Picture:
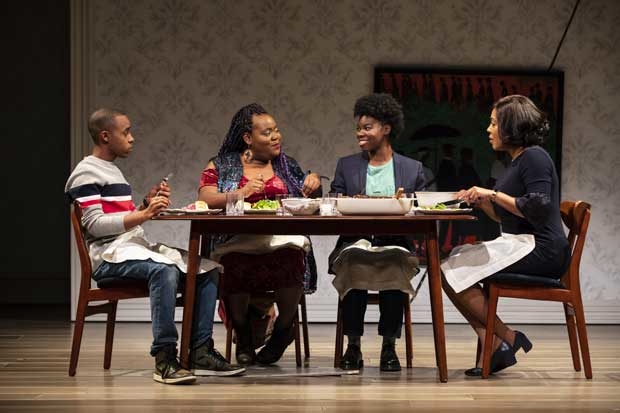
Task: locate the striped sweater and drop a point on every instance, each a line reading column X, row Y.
column 105, row 197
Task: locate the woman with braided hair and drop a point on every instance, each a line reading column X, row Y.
column 251, row 162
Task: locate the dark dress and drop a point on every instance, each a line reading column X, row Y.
column 532, row 180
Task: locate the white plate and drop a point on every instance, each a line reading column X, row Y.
column 171, row 211
column 447, row 211
column 259, row 211
column 374, row 206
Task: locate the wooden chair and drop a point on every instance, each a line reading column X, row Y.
column 576, row 216
column 304, row 323
column 373, row 299
column 111, row 292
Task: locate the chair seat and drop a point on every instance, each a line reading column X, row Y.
column 526, row 280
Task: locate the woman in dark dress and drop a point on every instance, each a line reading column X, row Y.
column 525, row 201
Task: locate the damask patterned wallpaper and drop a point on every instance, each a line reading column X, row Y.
column 182, row 68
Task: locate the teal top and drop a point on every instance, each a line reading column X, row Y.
column 380, row 180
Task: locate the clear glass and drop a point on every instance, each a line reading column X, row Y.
column 327, row 208
column 280, row 209
column 234, row 203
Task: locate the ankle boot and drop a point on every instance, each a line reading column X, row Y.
column 243, row 351
column 275, row 347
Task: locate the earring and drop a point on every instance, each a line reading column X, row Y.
column 248, row 155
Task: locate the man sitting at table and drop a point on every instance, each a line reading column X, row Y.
column 119, row 250
column 385, row 263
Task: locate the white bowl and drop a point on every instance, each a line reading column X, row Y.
column 430, row 199
column 374, row 206
column 301, row 206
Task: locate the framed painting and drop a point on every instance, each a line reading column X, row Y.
column 447, row 113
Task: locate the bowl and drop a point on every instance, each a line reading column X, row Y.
column 428, row 199
column 301, row 206
column 374, row 206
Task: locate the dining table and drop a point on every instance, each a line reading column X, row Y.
column 426, row 225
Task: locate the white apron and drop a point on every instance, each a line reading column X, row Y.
column 470, row 263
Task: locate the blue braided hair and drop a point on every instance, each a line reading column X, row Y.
column 233, row 142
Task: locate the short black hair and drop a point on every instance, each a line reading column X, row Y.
column 520, row 122
column 384, row 108
column 100, row 120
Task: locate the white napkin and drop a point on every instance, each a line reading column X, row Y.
column 470, row 263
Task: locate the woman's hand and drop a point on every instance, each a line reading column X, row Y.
column 254, row 185
column 311, row 184
column 475, row 195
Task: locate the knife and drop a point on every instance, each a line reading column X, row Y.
column 450, row 202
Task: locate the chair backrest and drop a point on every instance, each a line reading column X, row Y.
column 85, row 264
column 576, row 217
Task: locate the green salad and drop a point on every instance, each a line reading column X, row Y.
column 438, row 206
column 265, row 204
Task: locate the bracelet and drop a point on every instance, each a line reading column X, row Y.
column 145, row 202
column 493, row 196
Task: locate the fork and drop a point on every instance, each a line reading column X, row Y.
column 165, row 181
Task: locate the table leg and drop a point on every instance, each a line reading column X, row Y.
column 434, row 280
column 193, row 264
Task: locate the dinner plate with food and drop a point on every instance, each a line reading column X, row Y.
column 196, row 207
column 264, row 206
column 441, row 209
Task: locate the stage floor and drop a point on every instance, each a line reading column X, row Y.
column 34, row 357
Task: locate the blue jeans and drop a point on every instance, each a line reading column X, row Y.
column 163, row 280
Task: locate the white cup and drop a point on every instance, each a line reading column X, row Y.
column 234, row 203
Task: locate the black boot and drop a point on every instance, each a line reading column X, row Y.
column 352, row 359
column 389, row 359
column 275, row 347
column 243, row 351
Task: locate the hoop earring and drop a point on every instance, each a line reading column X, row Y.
column 248, row 155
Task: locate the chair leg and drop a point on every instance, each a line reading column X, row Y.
column 569, row 313
column 78, row 329
column 583, row 336
column 490, row 328
column 229, row 331
column 304, row 326
column 339, row 336
column 408, row 333
column 297, row 340
column 109, row 334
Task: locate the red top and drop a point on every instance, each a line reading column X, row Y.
column 273, row 185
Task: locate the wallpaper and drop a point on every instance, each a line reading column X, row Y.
column 182, row 68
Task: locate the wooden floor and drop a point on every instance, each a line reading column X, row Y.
column 34, row 356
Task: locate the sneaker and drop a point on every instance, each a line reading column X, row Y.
column 207, row 361
column 168, row 370
column 389, row 359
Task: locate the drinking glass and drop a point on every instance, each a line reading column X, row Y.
column 234, row 203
